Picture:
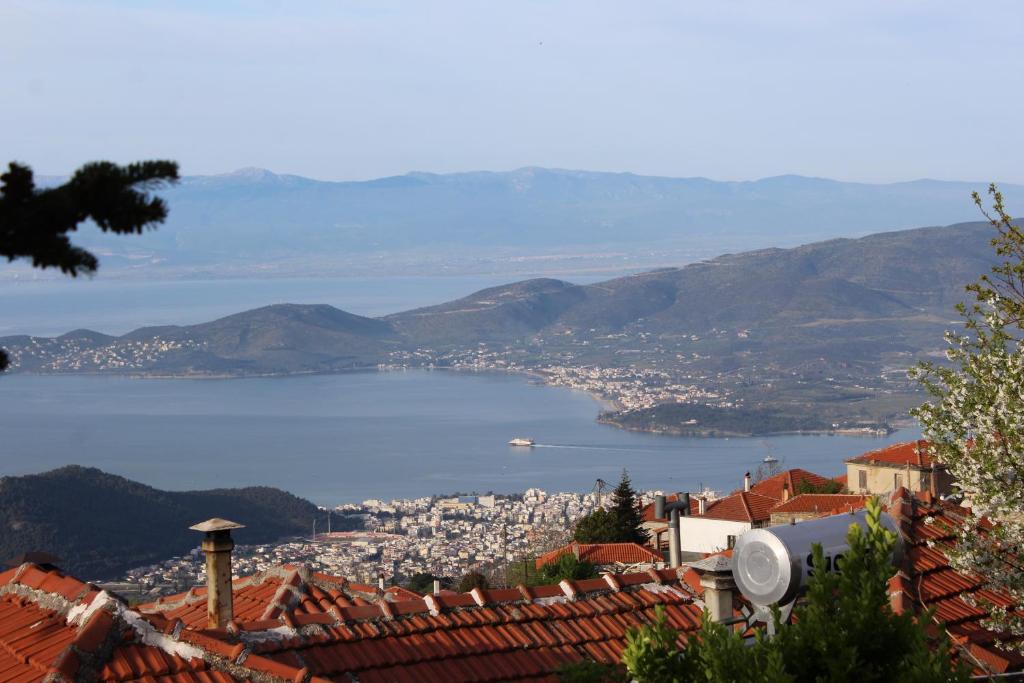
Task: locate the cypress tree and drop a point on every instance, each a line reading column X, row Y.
column 627, row 512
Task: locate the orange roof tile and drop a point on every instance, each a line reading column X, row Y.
column 745, row 506
column 913, row 453
column 929, row 527
column 774, row 485
column 284, row 590
column 604, row 554
column 499, row 635
column 822, row 503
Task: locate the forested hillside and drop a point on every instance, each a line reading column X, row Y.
column 100, row 524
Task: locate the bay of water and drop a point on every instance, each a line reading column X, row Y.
column 349, row 437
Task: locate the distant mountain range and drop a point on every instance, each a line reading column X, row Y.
column 229, row 224
column 837, row 321
column 100, row 524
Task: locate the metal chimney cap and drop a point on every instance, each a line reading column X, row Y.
column 216, row 524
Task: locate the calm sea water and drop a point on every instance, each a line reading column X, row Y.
column 344, row 438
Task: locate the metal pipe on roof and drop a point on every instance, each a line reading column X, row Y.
column 674, row 557
column 659, row 507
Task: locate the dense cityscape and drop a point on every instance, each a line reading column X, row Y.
column 397, row 539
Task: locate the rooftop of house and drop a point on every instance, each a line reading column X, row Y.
column 821, row 503
column 740, row 506
column 929, row 527
column 52, row 624
column 290, row 626
column 744, row 506
column 286, row 589
column 602, row 554
column 916, row 454
column 791, row 480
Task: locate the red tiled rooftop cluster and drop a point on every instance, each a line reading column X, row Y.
column 822, row 503
column 270, row 594
column 790, row 480
column 603, row 554
column 500, row 635
column 745, row 506
column 927, row 580
column 755, row 505
column 913, row 453
column 56, row 626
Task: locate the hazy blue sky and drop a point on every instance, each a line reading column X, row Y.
column 865, row 90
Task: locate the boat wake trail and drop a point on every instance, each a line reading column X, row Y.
column 631, row 449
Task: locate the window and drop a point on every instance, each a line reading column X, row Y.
column 897, row 481
column 862, row 480
column 730, row 542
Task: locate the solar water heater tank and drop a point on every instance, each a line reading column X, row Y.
column 772, row 565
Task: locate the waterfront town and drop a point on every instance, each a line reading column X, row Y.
column 389, row 542
column 619, row 387
column 398, row 538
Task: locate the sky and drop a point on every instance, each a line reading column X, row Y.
column 873, row 91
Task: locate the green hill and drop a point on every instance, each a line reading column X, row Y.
column 100, row 524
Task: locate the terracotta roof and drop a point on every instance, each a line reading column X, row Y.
column 287, row 589
column 823, row 503
column 745, row 506
column 913, row 453
column 56, row 627
column 929, row 527
column 487, row 635
column 791, row 479
column 604, row 554
column 51, row 624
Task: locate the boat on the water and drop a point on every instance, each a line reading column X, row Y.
column 769, row 459
column 519, row 441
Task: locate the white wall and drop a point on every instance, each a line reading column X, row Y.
column 702, row 535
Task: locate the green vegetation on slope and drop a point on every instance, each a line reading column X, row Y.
column 700, row 420
column 100, row 524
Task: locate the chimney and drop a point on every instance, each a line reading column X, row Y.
column 933, row 482
column 673, row 538
column 576, row 550
column 702, row 506
column 218, row 545
column 718, row 584
column 785, row 491
column 746, row 481
column 437, row 586
column 659, row 507
column 380, row 582
column 684, row 499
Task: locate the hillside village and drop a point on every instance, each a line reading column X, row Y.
column 449, row 537
column 305, row 611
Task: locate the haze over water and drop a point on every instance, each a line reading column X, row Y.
column 349, row 437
